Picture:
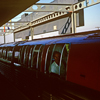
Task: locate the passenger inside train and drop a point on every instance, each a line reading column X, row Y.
column 54, row 67
column 57, row 66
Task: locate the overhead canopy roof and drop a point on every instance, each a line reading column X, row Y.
column 11, row 8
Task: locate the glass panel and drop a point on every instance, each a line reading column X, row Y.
column 40, row 57
column 59, row 56
column 55, row 62
column 9, row 53
column 17, row 54
column 26, row 55
column 22, row 53
column 48, row 57
column 0, row 52
column 30, row 56
column 64, row 57
column 35, row 57
column 4, row 53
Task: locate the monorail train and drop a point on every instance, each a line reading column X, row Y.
column 27, row 63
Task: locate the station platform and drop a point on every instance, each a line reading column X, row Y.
column 9, row 92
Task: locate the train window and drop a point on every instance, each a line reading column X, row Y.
column 35, row 57
column 30, row 55
column 9, row 53
column 17, row 54
column 55, row 59
column 58, row 63
column 20, row 55
column 48, row 57
column 40, row 57
column 63, row 61
column 0, row 52
column 22, row 50
column 4, row 53
column 26, row 55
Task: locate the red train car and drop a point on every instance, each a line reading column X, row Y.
column 28, row 65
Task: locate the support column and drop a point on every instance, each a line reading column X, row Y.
column 32, row 33
column 73, row 18
column 75, row 22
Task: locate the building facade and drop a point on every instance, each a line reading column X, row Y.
column 59, row 25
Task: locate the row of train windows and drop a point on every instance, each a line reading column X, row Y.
column 6, row 53
column 31, row 56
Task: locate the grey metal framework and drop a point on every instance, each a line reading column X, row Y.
column 58, row 15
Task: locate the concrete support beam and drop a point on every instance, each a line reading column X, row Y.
column 49, row 7
column 32, row 33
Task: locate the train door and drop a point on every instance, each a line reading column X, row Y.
column 57, row 66
column 36, row 58
column 23, row 55
column 4, row 53
column 30, row 55
column 22, row 51
column 0, row 52
column 40, row 57
column 26, row 54
column 9, row 53
column 17, row 55
column 48, row 57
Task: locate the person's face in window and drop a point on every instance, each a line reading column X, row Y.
column 57, row 58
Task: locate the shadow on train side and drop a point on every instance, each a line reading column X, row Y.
column 62, row 67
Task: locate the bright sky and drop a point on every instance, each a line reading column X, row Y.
column 91, row 16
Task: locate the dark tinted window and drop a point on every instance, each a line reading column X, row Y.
column 63, row 61
column 9, row 53
column 30, row 56
column 17, row 54
column 26, row 52
column 0, row 52
column 22, row 51
column 40, row 56
column 49, row 57
column 34, row 63
column 4, row 53
column 56, row 59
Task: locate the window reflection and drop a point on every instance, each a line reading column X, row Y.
column 56, row 59
column 9, row 53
